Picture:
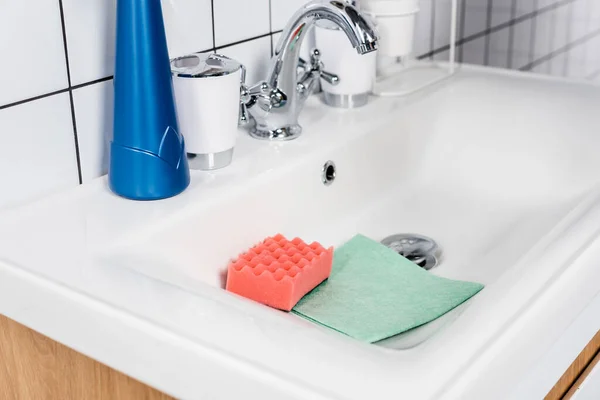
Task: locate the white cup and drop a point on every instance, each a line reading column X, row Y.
column 207, row 94
column 395, row 21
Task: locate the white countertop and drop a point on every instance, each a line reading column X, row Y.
column 52, row 280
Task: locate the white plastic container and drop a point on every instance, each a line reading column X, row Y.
column 395, row 20
column 356, row 72
column 207, row 94
column 409, row 76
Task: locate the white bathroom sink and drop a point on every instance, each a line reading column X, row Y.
column 474, row 167
column 501, row 169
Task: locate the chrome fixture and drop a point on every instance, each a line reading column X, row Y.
column 345, row 100
column 419, row 249
column 275, row 104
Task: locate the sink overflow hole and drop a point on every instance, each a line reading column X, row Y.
column 328, row 173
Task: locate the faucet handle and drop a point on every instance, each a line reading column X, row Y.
column 261, row 92
column 317, row 66
column 330, row 78
column 315, row 59
column 244, row 98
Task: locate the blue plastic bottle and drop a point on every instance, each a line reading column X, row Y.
column 147, row 155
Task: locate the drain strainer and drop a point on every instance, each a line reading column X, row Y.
column 419, row 249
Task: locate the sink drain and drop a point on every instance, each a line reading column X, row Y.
column 419, row 249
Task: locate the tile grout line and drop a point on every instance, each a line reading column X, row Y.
column 463, row 21
column 212, row 16
column 431, row 53
column 552, row 39
column 511, row 35
column 586, row 55
column 271, row 24
column 70, row 91
column 488, row 25
column 587, row 27
column 533, row 36
column 460, row 42
column 108, row 78
column 561, row 50
column 89, row 83
column 264, row 35
column 570, row 12
column 432, row 30
column 30, row 99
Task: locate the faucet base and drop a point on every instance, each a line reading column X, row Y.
column 289, row 132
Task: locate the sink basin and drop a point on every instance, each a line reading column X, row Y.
column 473, row 166
column 501, row 169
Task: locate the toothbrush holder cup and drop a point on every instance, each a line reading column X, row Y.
column 207, row 94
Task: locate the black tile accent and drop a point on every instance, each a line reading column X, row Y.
column 70, row 91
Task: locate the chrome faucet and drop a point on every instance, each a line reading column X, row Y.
column 275, row 104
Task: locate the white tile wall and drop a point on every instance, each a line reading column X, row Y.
column 237, row 20
column 282, row 11
column 502, row 11
column 499, row 45
column 255, row 55
column 423, row 43
column 94, row 114
column 546, row 36
column 56, row 116
column 441, row 23
column 520, row 49
column 37, row 148
column 90, row 33
column 189, row 25
column 33, row 57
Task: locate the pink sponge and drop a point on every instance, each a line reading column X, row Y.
column 278, row 272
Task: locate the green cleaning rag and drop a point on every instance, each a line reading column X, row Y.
column 373, row 293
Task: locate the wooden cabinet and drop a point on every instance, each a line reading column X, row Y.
column 587, row 385
column 33, row 366
column 577, row 371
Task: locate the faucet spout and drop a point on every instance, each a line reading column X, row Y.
column 275, row 109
